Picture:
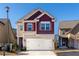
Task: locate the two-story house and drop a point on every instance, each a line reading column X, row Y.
column 35, row 31
column 69, row 34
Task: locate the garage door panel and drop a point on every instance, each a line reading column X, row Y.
column 39, row 44
column 76, row 44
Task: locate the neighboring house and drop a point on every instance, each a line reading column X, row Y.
column 6, row 33
column 35, row 31
column 69, row 34
column 15, row 32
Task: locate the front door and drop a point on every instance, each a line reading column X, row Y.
column 20, row 42
column 64, row 42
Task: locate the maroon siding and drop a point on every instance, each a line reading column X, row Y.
column 34, row 15
column 33, row 26
column 52, row 27
column 45, row 18
column 25, row 26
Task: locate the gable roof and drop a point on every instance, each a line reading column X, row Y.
column 30, row 15
column 45, row 13
column 68, row 24
column 34, row 15
column 75, row 29
column 7, row 27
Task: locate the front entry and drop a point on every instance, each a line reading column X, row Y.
column 20, row 42
column 63, row 43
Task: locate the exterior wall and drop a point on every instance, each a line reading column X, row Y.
column 78, row 44
column 19, row 32
column 75, row 44
column 71, row 43
column 45, row 18
column 34, row 35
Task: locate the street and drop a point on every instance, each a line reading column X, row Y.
column 67, row 52
column 30, row 53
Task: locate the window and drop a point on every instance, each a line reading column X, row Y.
column 45, row 26
column 42, row 26
column 21, row 27
column 29, row 26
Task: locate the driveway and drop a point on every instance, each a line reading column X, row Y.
column 26, row 53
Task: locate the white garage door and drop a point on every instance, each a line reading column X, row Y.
column 39, row 44
column 76, row 44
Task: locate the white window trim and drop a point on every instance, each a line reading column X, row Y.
column 27, row 26
column 44, row 22
column 20, row 27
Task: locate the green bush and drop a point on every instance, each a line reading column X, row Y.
column 23, row 49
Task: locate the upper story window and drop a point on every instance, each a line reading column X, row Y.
column 45, row 26
column 21, row 27
column 29, row 26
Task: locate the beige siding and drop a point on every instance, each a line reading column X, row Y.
column 40, row 36
column 20, row 32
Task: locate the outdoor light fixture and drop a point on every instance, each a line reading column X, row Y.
column 7, row 11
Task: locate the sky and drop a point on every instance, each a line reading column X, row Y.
column 61, row 11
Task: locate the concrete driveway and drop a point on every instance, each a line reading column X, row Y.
column 26, row 53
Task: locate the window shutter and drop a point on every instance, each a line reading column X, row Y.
column 33, row 26
column 25, row 26
column 52, row 27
